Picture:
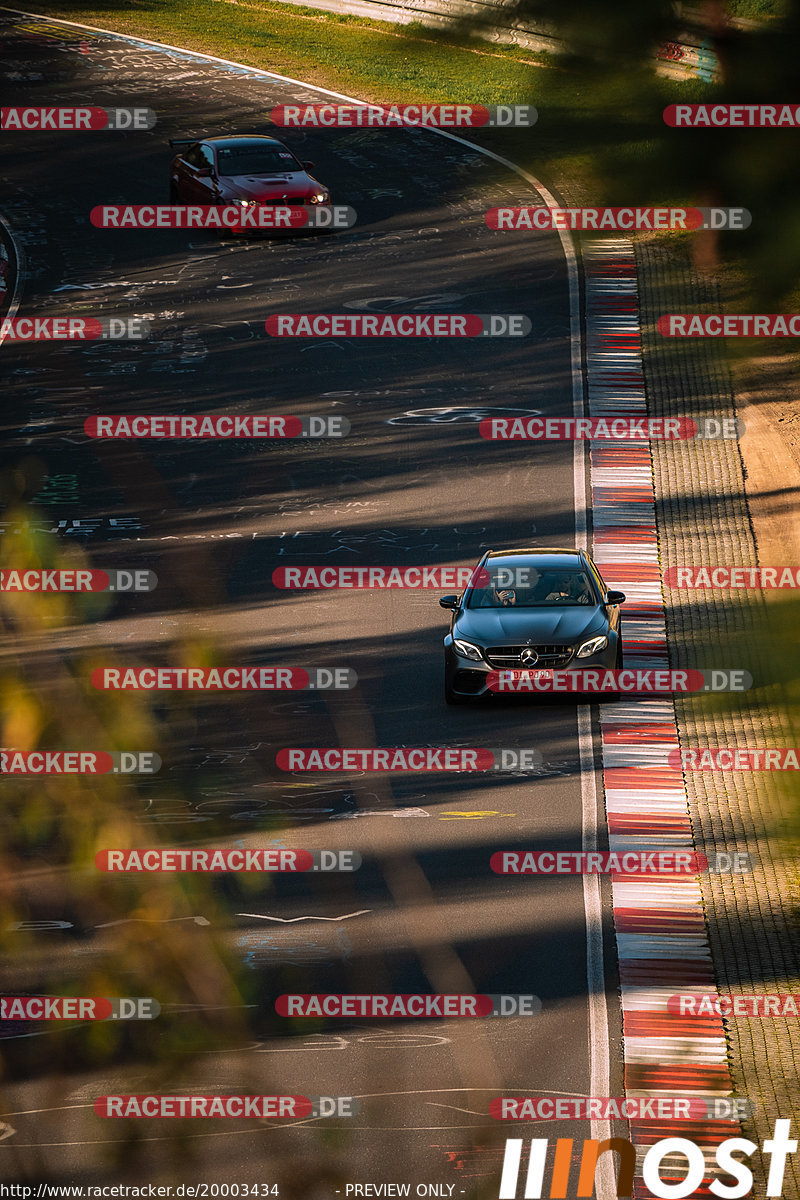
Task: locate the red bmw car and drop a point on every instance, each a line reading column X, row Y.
column 244, row 169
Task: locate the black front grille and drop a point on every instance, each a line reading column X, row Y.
column 505, row 657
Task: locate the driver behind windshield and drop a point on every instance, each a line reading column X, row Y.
column 560, row 587
column 569, row 588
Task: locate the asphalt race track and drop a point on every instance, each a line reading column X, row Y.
column 413, row 484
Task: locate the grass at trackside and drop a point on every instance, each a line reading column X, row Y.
column 587, row 140
column 756, row 9
column 369, row 59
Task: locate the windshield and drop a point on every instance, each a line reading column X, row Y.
column 527, row 587
column 256, row 160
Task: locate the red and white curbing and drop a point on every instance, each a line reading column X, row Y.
column 661, row 934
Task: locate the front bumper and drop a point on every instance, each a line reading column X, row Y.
column 466, row 677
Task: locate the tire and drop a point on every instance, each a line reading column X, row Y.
column 618, row 661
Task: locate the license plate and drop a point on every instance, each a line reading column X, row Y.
column 514, row 675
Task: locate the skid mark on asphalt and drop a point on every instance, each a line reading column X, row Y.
column 294, row 920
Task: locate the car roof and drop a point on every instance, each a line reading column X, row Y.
column 233, row 141
column 543, row 556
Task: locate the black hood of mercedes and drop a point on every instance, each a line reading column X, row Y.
column 558, row 625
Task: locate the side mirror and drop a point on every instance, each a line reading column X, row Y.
column 309, row 166
column 448, row 602
column 613, row 598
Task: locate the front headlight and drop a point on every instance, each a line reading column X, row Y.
column 243, row 203
column 319, row 198
column 468, row 650
column 593, row 646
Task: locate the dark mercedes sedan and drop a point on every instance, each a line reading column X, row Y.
column 526, row 610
